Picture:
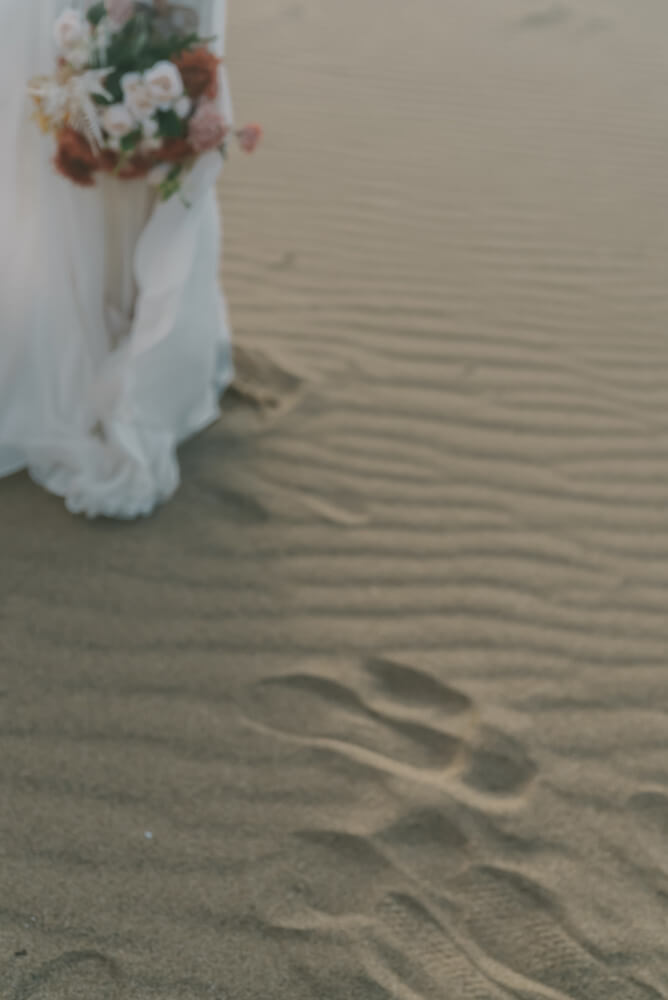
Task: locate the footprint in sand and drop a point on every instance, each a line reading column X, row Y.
column 316, row 708
column 412, row 687
column 77, row 975
column 504, row 910
column 262, row 383
column 394, row 716
column 497, row 764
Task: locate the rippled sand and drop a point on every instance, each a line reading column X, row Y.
column 387, row 683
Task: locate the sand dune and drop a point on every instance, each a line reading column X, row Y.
column 376, row 708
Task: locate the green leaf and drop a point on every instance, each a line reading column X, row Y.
column 96, row 13
column 129, row 142
column 101, row 101
column 113, row 87
column 172, row 182
column 170, row 125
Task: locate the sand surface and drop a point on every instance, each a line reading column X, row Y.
column 387, row 683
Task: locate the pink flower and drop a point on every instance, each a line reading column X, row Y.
column 207, row 128
column 249, row 137
column 119, row 11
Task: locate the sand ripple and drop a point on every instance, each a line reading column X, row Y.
column 376, row 708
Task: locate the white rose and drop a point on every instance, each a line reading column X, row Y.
column 165, row 83
column 70, row 30
column 132, row 83
column 183, row 107
column 138, row 97
column 117, row 121
column 140, row 103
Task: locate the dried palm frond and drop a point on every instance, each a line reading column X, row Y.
column 71, row 103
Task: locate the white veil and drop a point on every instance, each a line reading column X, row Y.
column 98, row 426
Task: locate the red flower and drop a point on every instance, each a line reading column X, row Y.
column 75, row 159
column 249, row 137
column 199, row 70
column 175, row 151
column 108, row 161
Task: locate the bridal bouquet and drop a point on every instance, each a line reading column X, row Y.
column 133, row 96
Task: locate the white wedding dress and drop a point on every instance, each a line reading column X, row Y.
column 114, row 339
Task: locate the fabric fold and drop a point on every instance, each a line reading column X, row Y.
column 114, row 345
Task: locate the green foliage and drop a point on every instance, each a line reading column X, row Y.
column 172, row 183
column 170, row 125
column 143, row 41
column 104, row 101
column 135, row 48
column 112, row 85
column 139, row 44
column 129, row 142
column 96, row 13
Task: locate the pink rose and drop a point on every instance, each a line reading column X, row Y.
column 249, row 137
column 207, row 128
column 119, row 11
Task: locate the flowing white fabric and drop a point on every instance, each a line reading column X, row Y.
column 114, row 339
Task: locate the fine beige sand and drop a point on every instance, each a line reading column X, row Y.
column 387, row 683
